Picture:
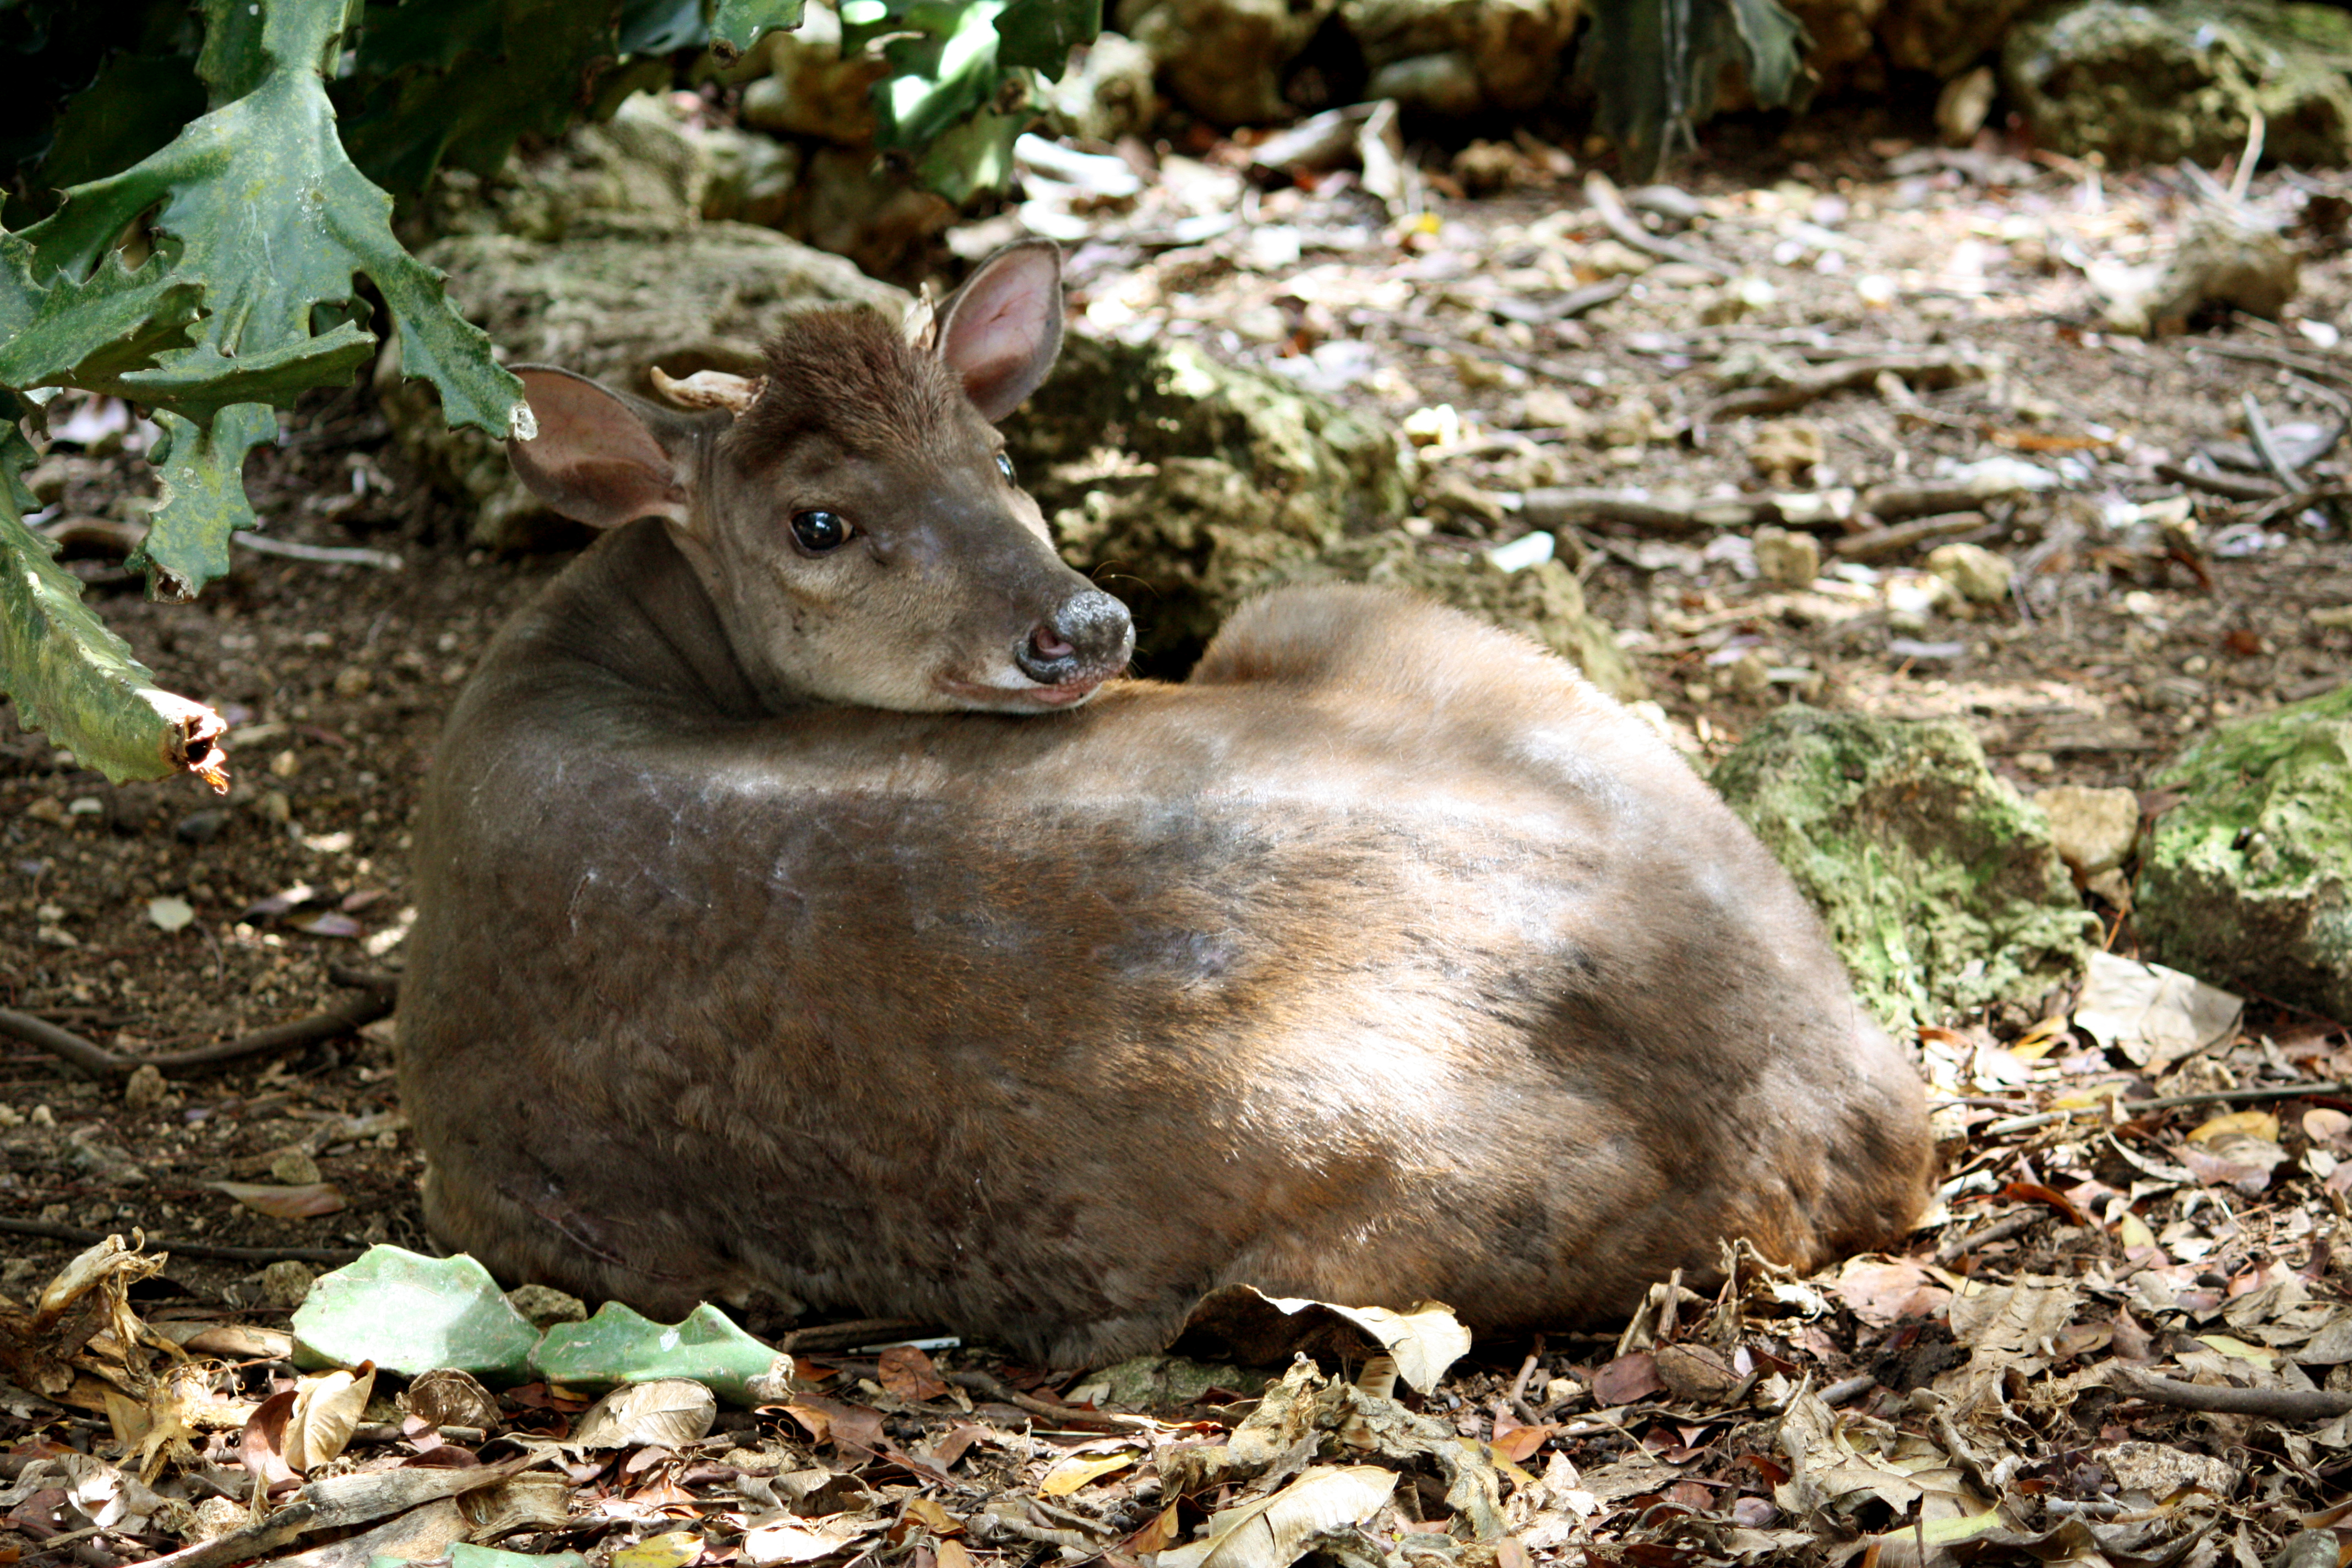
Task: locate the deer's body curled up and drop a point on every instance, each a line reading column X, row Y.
column 775, row 936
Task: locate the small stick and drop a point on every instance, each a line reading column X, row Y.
column 1518, row 1397
column 1952, row 1252
column 326, row 554
column 819, row 1337
column 2225, row 485
column 2278, row 1404
column 2238, row 1096
column 2258, row 431
column 1885, row 543
column 97, row 1061
column 995, row 1388
column 80, row 1237
column 1601, row 192
column 1850, row 1388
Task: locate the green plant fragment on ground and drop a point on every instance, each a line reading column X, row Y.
column 622, row 1345
column 409, row 1313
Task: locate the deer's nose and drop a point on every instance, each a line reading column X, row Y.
column 1087, row 636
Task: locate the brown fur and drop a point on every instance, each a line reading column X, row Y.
column 1382, row 960
column 850, row 378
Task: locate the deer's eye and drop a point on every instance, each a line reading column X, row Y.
column 1004, row 466
column 820, row 530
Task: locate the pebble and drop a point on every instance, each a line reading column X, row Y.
column 294, row 1168
column 1790, row 558
column 2094, row 828
column 201, row 826
column 1982, row 577
column 286, row 1282
column 145, row 1090
column 544, row 1306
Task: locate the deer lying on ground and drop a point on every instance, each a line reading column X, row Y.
column 809, row 907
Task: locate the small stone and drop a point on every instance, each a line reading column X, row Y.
column 1787, row 557
column 2094, row 828
column 1613, row 259
column 1751, row 676
column 48, row 809
column 2112, row 886
column 216, row 1517
column 169, row 914
column 286, row 1282
column 201, row 826
column 86, row 806
column 544, row 1306
column 1551, row 408
column 144, row 1089
column 275, row 808
column 1737, row 300
column 1635, row 422
column 354, row 680
column 1785, row 448
column 1982, row 577
column 294, row 1168
column 285, row 765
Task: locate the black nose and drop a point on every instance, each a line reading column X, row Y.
column 1088, row 635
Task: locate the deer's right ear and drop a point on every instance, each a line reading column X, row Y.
column 602, row 458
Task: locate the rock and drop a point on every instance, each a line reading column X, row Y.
column 2094, row 828
column 2083, row 74
column 1107, row 93
column 144, row 1089
column 1982, row 577
column 617, row 296
column 1185, row 481
column 1543, row 603
column 1162, row 1382
column 294, row 1168
column 1944, row 37
column 544, row 1306
column 1940, row 886
column 1784, row 449
column 1224, row 59
column 286, row 1282
column 1790, row 558
column 2247, row 881
column 809, row 90
column 1461, row 56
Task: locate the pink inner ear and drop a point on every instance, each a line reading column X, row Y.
column 1001, row 332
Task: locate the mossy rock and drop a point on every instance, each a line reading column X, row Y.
column 2182, row 78
column 2248, row 881
column 1543, row 603
column 1178, row 482
column 1939, row 884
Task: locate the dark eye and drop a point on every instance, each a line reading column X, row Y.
column 819, row 532
column 1004, row 466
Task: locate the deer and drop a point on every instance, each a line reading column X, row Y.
column 813, row 912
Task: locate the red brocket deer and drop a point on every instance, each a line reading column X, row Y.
column 808, row 907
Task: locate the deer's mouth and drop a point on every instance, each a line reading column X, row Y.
column 1027, row 698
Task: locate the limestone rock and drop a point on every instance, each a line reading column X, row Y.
column 1944, row 37
column 1940, row 886
column 2083, row 75
column 1223, row 59
column 1982, row 577
column 1543, row 603
column 620, row 295
column 1511, row 51
column 2247, row 881
column 1792, row 559
column 1180, row 482
column 809, row 90
column 1107, row 93
column 2094, row 828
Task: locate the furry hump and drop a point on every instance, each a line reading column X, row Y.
column 850, row 376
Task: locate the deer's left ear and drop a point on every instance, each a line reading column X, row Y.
column 1004, row 328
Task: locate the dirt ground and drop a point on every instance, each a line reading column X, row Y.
column 2134, row 622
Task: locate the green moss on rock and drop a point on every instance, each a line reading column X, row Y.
column 1939, row 884
column 1179, row 482
column 2182, row 78
column 2248, row 883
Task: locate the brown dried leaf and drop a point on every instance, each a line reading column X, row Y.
column 1883, row 1292
column 309, row 1201
column 907, row 1373
column 1627, row 1379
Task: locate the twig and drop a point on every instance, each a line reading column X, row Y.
column 2225, row 485
column 1602, row 193
column 1935, row 370
column 1887, row 543
column 1951, row 1252
column 2256, row 125
column 2238, row 1096
column 2318, row 369
column 995, row 1388
column 97, row 1061
column 1559, row 370
column 80, row 1237
column 1849, row 1388
column 822, row 1337
column 326, row 555
column 2266, row 448
column 1552, row 508
column 2278, row 1404
column 1516, row 1397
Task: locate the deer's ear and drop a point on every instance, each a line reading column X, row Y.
column 1001, row 332
column 600, row 458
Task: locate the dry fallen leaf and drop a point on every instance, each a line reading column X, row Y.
column 1627, row 1379
column 306, row 1202
column 666, row 1413
column 2259, row 1124
column 671, row 1548
column 1883, row 1293
column 2153, row 1015
column 1272, row 1533
column 907, row 1373
column 1071, row 1474
column 326, row 1412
